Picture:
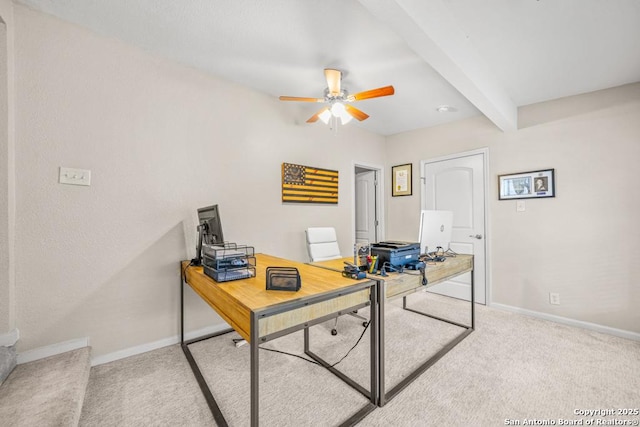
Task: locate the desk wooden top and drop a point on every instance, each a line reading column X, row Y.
column 397, row 283
column 234, row 300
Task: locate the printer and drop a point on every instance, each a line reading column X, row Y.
column 397, row 254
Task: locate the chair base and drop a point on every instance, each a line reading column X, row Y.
column 365, row 322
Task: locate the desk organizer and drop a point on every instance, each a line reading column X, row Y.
column 361, row 254
column 228, row 262
column 283, row 279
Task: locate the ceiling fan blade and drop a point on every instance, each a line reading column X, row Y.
column 316, row 116
column 333, row 81
column 357, row 114
column 302, row 99
column 373, row 93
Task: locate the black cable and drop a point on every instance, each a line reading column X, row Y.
column 423, row 271
column 313, row 361
column 388, row 267
column 354, row 346
column 411, row 273
column 420, row 272
column 290, row 354
column 184, row 271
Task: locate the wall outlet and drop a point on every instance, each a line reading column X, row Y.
column 554, row 298
column 74, row 176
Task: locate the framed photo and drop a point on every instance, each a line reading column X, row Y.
column 401, row 180
column 527, row 185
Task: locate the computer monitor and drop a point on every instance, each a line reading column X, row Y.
column 435, row 231
column 209, row 229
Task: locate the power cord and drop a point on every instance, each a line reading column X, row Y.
column 420, row 272
column 313, row 361
column 387, row 267
column 184, row 270
column 423, row 272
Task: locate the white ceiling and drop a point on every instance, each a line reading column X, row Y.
column 480, row 56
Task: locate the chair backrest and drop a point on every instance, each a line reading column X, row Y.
column 322, row 243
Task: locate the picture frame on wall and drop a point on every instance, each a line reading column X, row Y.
column 527, row 185
column 401, row 180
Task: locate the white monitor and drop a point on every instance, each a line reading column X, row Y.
column 435, row 231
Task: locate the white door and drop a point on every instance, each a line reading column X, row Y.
column 458, row 185
column 366, row 218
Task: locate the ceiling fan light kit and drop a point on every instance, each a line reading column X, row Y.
column 337, row 98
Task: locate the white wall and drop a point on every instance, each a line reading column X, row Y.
column 7, row 190
column 583, row 244
column 161, row 140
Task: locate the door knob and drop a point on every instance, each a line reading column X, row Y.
column 476, row 236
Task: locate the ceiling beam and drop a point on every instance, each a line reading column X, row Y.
column 430, row 30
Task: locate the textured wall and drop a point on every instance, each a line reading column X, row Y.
column 7, row 191
column 582, row 244
column 161, row 141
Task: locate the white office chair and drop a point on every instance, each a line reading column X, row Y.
column 322, row 244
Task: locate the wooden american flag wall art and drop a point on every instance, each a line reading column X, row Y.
column 304, row 184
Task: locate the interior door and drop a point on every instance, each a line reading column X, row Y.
column 458, row 185
column 366, row 218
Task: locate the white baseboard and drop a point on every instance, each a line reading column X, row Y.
column 52, row 350
column 10, row 338
column 143, row 348
column 571, row 322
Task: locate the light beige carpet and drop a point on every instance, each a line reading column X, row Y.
column 511, row 367
column 152, row 389
column 46, row 392
column 515, row 368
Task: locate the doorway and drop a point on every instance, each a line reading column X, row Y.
column 458, row 183
column 368, row 204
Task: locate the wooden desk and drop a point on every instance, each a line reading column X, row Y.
column 400, row 285
column 259, row 315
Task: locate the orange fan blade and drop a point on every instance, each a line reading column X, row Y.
column 373, row 93
column 297, row 98
column 316, row 116
column 333, row 81
column 357, row 114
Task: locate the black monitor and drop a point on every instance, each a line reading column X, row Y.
column 209, row 230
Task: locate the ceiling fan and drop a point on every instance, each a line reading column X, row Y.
column 337, row 97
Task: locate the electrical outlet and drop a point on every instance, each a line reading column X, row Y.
column 554, row 298
column 74, row 176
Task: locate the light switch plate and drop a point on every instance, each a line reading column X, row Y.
column 520, row 206
column 74, row 176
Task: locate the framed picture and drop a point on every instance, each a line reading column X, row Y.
column 527, row 185
column 401, row 180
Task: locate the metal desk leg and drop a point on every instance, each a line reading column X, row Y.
column 255, row 385
column 374, row 343
column 473, row 305
column 206, row 392
column 181, row 306
column 381, row 353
